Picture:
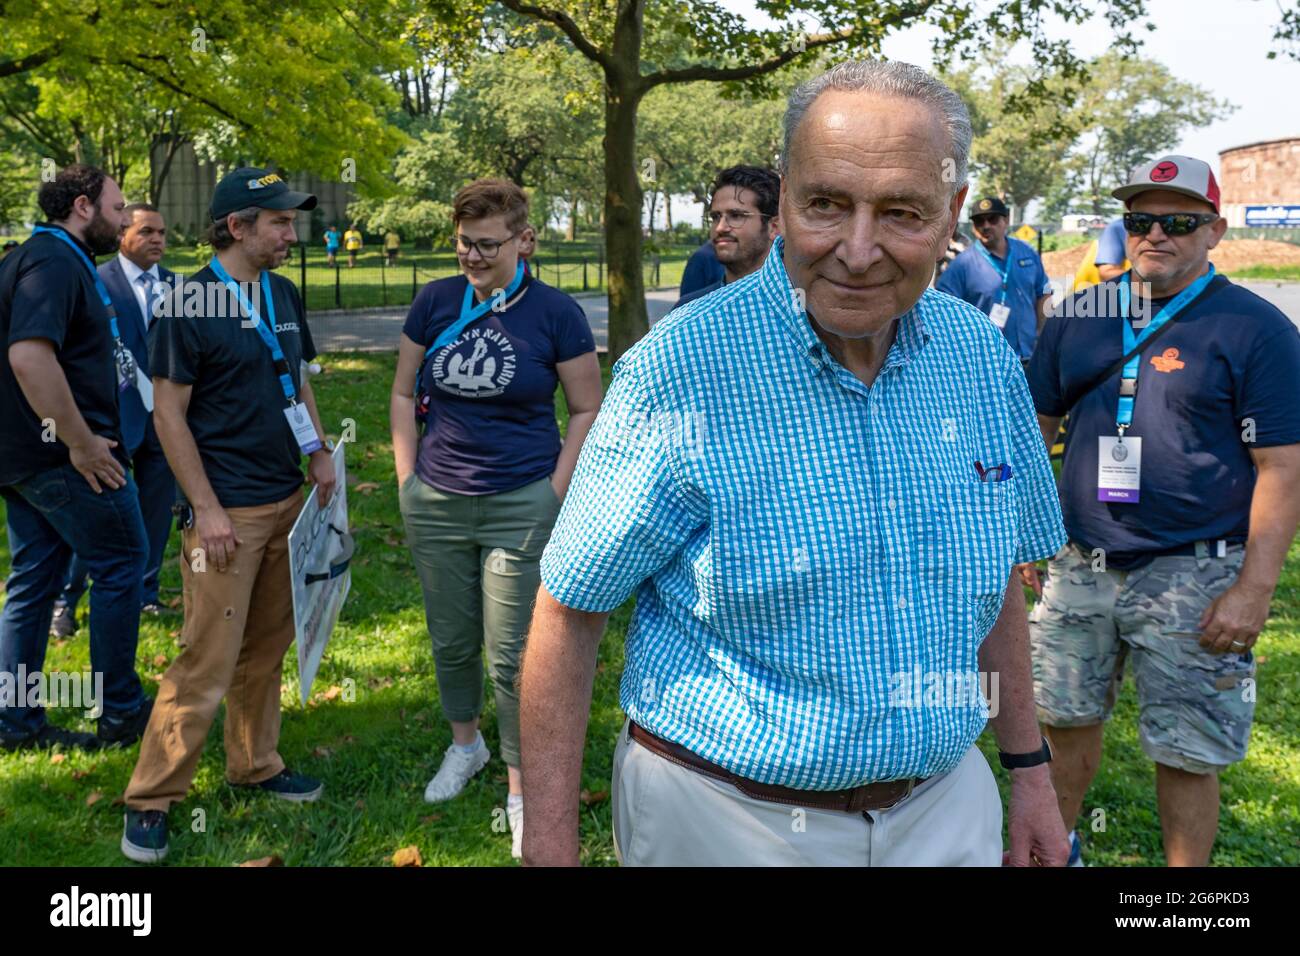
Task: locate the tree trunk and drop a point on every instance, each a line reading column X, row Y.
column 628, row 320
column 668, row 211
column 571, row 233
column 654, row 203
column 627, row 312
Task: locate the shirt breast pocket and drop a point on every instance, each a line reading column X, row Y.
column 982, row 529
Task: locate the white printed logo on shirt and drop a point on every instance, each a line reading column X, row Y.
column 479, row 364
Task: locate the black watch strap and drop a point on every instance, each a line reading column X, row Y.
column 1021, row 761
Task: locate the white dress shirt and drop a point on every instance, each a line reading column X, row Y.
column 133, row 273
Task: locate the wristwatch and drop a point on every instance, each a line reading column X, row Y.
column 1032, row 759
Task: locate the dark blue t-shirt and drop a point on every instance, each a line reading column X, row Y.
column 1229, row 369
column 702, row 268
column 491, row 421
column 971, row 277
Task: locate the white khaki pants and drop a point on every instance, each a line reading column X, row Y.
column 669, row 815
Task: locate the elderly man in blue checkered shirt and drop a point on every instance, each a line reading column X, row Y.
column 817, row 482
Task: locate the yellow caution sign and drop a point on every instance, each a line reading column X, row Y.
column 1026, row 233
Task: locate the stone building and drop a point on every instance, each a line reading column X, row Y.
column 187, row 190
column 1259, row 184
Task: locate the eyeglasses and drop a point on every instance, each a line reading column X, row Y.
column 1171, row 223
column 487, row 248
column 735, row 217
column 979, row 221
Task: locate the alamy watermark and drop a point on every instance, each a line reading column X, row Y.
column 83, row 691
column 948, row 690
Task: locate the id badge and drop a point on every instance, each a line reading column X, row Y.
column 1000, row 313
column 1119, row 469
column 126, row 368
column 144, row 385
column 304, row 432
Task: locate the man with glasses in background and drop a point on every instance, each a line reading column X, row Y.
column 1002, row 277
column 1178, row 490
column 743, row 214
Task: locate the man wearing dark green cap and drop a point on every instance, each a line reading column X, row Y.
column 235, row 419
column 1002, row 277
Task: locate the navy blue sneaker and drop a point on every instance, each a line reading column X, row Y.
column 144, row 836
column 124, row 731
column 50, row 736
column 288, row 785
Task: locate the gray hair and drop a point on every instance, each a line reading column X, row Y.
column 885, row 78
column 218, row 234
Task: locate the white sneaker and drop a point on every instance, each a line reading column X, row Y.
column 516, row 817
column 457, row 767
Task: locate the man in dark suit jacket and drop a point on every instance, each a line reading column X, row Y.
column 135, row 282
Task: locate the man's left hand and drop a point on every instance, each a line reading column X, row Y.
column 1234, row 619
column 321, row 473
column 1038, row 836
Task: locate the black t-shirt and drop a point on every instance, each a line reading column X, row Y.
column 1225, row 378
column 46, row 292
column 236, row 410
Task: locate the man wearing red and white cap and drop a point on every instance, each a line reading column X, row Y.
column 1178, row 493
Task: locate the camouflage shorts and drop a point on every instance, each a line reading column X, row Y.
column 1195, row 708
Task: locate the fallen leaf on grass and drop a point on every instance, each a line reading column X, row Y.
column 407, row 856
column 93, row 798
column 332, row 693
column 79, row 774
column 160, row 660
column 359, row 805
column 264, row 861
column 366, row 487
column 590, row 797
column 321, row 752
column 431, row 818
column 58, row 758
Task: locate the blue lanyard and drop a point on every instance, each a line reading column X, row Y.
column 469, row 312
column 264, row 328
column 1004, row 272
column 1128, row 380
column 94, row 275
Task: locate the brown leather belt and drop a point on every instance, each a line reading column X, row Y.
column 871, row 796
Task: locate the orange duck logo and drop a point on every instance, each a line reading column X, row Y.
column 1167, row 361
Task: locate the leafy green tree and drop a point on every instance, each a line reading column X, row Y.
column 640, row 45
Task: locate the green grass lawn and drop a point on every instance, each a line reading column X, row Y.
column 376, row 752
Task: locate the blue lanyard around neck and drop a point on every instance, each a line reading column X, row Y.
column 94, row 275
column 469, row 312
column 1004, row 271
column 266, row 329
column 1128, row 378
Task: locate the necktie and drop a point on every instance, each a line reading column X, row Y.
column 147, row 284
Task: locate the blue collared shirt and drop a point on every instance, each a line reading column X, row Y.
column 809, row 554
column 972, row 277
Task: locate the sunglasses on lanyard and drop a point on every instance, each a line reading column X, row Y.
column 1171, row 223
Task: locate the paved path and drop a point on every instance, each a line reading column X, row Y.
column 378, row 330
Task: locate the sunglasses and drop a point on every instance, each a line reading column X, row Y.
column 1171, row 223
column 979, row 221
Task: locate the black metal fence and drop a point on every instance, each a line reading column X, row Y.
column 374, row 281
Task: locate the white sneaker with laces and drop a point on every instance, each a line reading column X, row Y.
column 515, row 814
column 457, row 767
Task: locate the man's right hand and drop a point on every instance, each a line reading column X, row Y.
column 216, row 535
column 1030, row 578
column 95, row 462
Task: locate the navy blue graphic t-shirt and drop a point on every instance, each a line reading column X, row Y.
column 491, row 424
column 1224, row 379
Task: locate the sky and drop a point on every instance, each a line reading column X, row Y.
column 1220, row 45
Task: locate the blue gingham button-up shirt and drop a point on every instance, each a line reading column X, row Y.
column 815, row 560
